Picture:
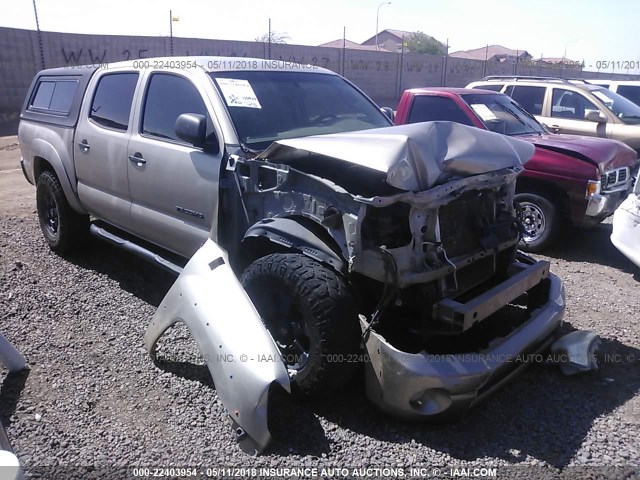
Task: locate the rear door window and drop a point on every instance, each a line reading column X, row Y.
column 426, row 108
column 111, row 104
column 529, row 97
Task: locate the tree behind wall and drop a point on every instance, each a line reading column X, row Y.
column 276, row 37
column 420, row 42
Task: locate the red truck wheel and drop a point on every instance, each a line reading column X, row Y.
column 540, row 220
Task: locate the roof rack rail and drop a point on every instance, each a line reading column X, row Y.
column 525, row 78
column 579, row 80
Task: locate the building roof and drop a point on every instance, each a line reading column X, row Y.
column 396, row 33
column 353, row 45
column 399, row 34
column 488, row 52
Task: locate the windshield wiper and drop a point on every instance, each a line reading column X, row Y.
column 514, row 115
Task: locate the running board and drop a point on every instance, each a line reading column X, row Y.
column 134, row 248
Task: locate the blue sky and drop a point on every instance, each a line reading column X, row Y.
column 589, row 29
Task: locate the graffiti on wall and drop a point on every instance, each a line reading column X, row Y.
column 91, row 57
column 422, row 67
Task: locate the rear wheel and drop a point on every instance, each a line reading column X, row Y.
column 309, row 310
column 540, row 220
column 63, row 228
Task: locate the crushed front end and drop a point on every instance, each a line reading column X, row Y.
column 460, row 310
column 450, row 310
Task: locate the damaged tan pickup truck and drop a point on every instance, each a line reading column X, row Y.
column 318, row 236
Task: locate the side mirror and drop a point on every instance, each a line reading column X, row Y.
column 192, row 128
column 595, row 116
column 388, row 111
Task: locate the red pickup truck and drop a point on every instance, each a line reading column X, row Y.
column 570, row 179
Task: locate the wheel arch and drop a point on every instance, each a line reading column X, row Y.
column 52, row 163
column 287, row 235
column 548, row 190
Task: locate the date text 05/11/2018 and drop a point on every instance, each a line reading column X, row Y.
column 617, row 64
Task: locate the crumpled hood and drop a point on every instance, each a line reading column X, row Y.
column 603, row 152
column 414, row 157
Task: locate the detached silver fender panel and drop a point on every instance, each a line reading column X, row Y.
column 240, row 353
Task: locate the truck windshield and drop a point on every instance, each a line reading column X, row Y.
column 624, row 109
column 501, row 114
column 266, row 106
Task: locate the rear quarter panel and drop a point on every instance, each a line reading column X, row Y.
column 52, row 143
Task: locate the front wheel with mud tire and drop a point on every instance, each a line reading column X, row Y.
column 310, row 312
column 63, row 228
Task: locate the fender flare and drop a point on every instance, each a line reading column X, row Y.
column 290, row 233
column 45, row 150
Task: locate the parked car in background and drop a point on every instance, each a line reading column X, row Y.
column 577, row 108
column 569, row 179
column 627, row 88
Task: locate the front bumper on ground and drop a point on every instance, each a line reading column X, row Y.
column 602, row 205
column 423, row 385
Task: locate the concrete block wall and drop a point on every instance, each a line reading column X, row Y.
column 381, row 75
column 19, row 63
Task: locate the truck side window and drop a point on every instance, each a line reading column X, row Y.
column 54, row 96
column 111, row 104
column 530, row 98
column 427, row 108
column 168, row 97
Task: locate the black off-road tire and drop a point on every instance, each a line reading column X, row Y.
column 545, row 223
column 63, row 228
column 302, row 300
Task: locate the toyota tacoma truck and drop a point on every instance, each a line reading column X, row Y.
column 569, row 180
column 309, row 234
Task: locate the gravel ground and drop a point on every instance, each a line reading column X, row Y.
column 93, row 400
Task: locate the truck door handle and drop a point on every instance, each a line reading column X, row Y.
column 84, row 146
column 137, row 159
column 554, row 128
